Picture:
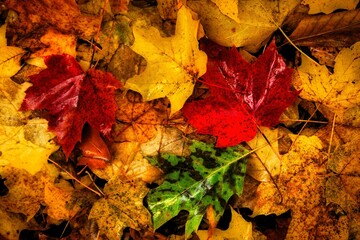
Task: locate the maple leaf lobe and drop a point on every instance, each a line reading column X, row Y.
column 72, row 98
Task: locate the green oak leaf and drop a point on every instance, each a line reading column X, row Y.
column 208, row 176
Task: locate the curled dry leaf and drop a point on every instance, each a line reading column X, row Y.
column 341, row 29
column 95, row 153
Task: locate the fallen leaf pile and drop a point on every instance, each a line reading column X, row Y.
column 179, row 119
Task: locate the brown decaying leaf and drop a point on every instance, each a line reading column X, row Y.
column 63, row 15
column 341, row 29
column 137, row 120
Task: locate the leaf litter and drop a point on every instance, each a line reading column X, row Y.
column 150, row 147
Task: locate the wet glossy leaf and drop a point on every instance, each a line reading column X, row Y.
column 243, row 95
column 75, row 98
column 208, row 176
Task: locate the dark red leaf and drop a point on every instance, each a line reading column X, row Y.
column 242, row 95
column 72, row 98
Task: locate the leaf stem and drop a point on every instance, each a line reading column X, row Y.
column 76, row 180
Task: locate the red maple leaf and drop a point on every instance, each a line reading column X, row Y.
column 242, row 95
column 72, row 98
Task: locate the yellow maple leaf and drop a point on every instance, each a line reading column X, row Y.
column 239, row 229
column 338, row 91
column 257, row 21
column 24, row 144
column 173, row 63
column 325, row 6
column 123, row 207
column 28, row 192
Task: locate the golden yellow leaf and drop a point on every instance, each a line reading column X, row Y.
column 239, row 229
column 10, row 60
column 24, row 144
column 301, row 183
column 325, row 6
column 229, row 8
column 128, row 161
column 173, row 63
column 264, row 156
column 123, row 207
column 338, row 91
column 58, row 199
column 28, row 192
column 257, row 21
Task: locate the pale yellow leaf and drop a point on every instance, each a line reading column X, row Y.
column 239, row 229
column 229, row 8
column 266, row 156
column 173, row 63
column 24, row 144
column 168, row 140
column 338, row 91
column 10, row 60
column 257, row 21
column 326, row 6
